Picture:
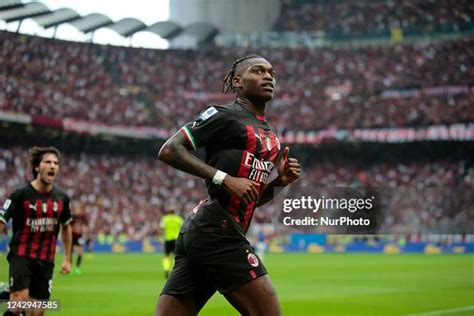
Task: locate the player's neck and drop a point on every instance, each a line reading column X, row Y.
column 257, row 108
column 41, row 186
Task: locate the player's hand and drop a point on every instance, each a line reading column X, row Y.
column 246, row 190
column 289, row 169
column 66, row 267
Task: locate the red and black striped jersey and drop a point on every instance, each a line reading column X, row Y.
column 239, row 143
column 35, row 220
column 78, row 223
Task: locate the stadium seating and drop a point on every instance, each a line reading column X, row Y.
column 380, row 86
column 341, row 18
column 127, row 194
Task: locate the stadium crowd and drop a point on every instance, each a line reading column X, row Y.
column 123, row 194
column 366, row 17
column 324, row 88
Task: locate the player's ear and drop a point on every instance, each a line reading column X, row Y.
column 237, row 82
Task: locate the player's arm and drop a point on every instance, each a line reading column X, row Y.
column 6, row 211
column 176, row 153
column 289, row 171
column 66, row 237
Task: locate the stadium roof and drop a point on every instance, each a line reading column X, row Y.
column 91, row 22
column 57, row 17
column 128, row 26
column 29, row 10
column 165, row 29
column 9, row 4
column 16, row 11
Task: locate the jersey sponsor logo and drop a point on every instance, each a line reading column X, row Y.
column 253, row 260
column 7, row 204
column 208, row 113
column 260, row 169
column 43, row 224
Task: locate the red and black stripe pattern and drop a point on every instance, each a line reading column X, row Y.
column 35, row 220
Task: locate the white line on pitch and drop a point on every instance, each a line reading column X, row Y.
column 445, row 311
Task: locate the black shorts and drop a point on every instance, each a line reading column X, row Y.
column 77, row 240
column 170, row 246
column 32, row 274
column 208, row 261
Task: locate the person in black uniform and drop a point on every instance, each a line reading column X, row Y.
column 38, row 210
column 242, row 149
column 79, row 228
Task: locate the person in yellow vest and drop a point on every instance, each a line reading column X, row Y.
column 170, row 225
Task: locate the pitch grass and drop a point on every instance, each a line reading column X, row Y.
column 307, row 284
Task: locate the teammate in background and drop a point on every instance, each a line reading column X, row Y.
column 38, row 211
column 170, row 224
column 89, row 246
column 79, row 229
column 242, row 149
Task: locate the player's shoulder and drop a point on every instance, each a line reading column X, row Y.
column 57, row 190
column 218, row 113
column 21, row 191
column 215, row 110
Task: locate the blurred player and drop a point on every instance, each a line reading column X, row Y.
column 79, row 228
column 38, row 211
column 242, row 148
column 170, row 224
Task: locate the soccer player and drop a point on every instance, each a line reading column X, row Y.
column 38, row 211
column 242, row 149
column 79, row 227
column 170, row 224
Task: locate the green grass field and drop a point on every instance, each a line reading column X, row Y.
column 307, row 284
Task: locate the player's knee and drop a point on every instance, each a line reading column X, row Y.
column 22, row 295
column 270, row 310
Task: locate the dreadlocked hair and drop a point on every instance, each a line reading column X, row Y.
column 227, row 83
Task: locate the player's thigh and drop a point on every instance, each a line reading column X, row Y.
column 171, row 305
column 256, row 298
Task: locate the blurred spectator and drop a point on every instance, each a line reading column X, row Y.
column 324, row 88
column 370, row 17
column 128, row 194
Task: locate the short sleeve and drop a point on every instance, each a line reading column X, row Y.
column 209, row 128
column 8, row 207
column 66, row 217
